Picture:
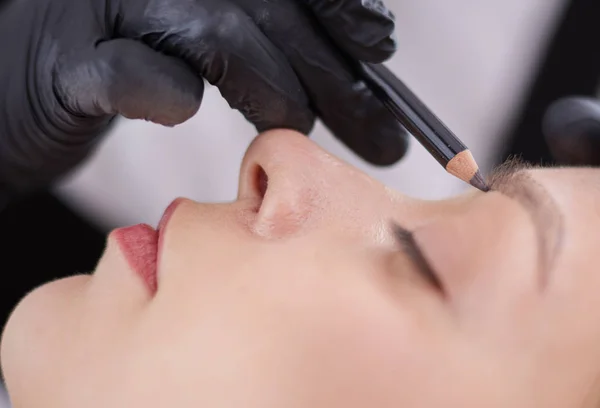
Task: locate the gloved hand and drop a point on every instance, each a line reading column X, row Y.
column 572, row 129
column 68, row 67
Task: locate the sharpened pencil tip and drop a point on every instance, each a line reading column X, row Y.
column 479, row 182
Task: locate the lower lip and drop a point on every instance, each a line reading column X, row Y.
column 139, row 245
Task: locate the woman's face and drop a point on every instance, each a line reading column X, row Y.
column 308, row 292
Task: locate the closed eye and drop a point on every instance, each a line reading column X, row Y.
column 410, row 247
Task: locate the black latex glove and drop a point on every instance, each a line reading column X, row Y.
column 572, row 129
column 68, row 67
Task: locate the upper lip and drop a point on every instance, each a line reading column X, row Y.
column 163, row 224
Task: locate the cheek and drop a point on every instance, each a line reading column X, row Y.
column 323, row 335
column 36, row 337
column 360, row 348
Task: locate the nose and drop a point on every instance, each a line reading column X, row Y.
column 290, row 181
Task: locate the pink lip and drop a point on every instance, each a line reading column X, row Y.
column 163, row 223
column 141, row 245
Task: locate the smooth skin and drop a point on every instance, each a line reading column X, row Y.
column 299, row 296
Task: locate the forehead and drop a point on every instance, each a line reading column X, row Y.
column 577, row 193
column 570, row 185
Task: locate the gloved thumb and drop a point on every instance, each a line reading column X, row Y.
column 572, row 129
column 126, row 77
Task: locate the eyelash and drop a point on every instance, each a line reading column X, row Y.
column 407, row 241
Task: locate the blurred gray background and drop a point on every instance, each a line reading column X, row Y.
column 467, row 59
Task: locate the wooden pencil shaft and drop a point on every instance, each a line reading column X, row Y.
column 418, row 120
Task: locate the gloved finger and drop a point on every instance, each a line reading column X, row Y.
column 363, row 28
column 572, row 129
column 344, row 103
column 127, row 77
column 222, row 44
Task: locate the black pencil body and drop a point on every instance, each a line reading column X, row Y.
column 418, row 120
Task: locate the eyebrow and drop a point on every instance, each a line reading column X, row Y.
column 514, row 181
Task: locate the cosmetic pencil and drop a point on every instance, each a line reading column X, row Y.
column 420, row 121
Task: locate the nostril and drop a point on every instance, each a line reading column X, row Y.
column 253, row 183
column 257, row 185
column 261, row 181
column 276, row 201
